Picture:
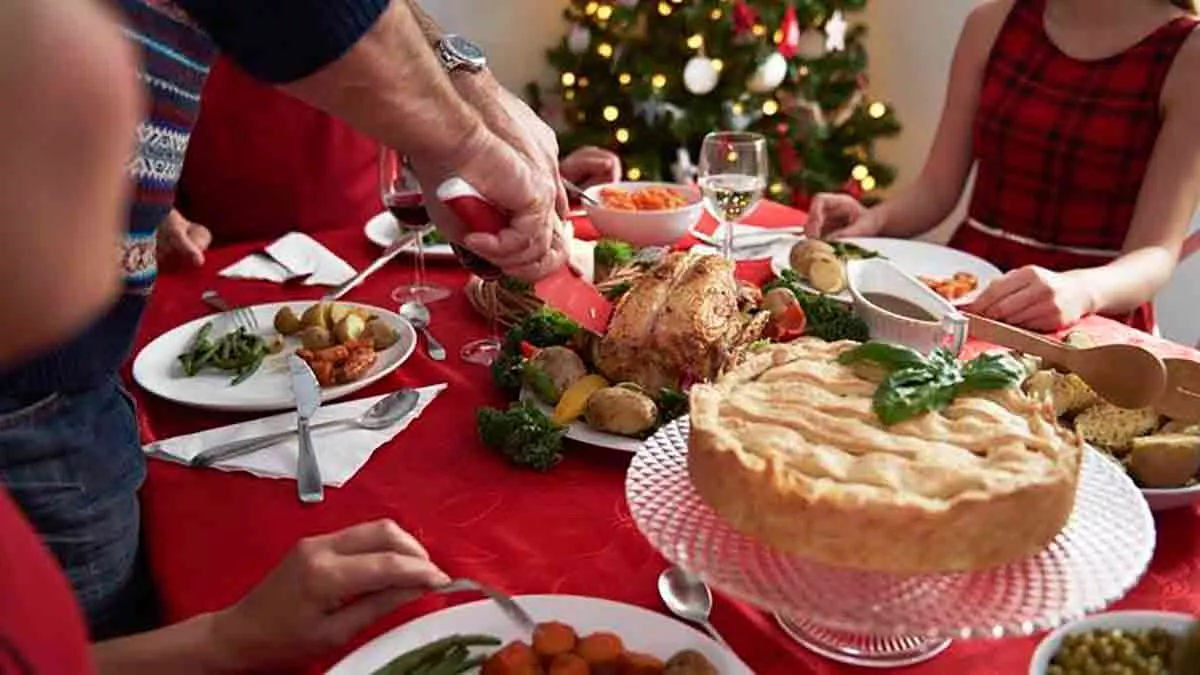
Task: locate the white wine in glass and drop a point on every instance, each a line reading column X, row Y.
column 733, row 176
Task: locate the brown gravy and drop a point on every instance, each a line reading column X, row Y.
column 900, row 306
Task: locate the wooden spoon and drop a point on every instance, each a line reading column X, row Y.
column 1181, row 400
column 1126, row 376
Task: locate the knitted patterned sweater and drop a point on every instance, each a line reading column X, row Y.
column 275, row 40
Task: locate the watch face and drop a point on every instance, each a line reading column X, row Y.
column 464, row 48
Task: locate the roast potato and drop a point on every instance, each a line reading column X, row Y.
column 381, row 334
column 561, row 368
column 1165, row 460
column 621, row 410
column 827, row 273
column 316, row 337
column 286, row 322
column 802, row 254
column 317, row 315
column 689, row 662
column 349, row 328
column 338, row 312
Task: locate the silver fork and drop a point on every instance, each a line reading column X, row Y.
column 242, row 316
column 507, row 605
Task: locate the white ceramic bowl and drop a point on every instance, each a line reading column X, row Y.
column 645, row 228
column 1177, row 624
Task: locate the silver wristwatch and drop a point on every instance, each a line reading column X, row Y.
column 458, row 53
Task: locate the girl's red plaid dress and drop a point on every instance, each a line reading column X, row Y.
column 1062, row 147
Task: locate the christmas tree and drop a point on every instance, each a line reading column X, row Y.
column 649, row 78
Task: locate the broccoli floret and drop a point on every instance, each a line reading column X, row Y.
column 543, row 328
column 611, row 253
column 547, row 328
column 523, row 434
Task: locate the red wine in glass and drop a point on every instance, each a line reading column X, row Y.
column 409, row 209
column 401, row 195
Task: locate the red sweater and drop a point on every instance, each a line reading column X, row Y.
column 261, row 163
column 41, row 628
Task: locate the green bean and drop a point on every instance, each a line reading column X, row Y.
column 248, row 370
column 473, row 662
column 406, row 662
column 449, row 662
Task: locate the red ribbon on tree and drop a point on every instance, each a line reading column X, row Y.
column 744, row 17
column 789, row 46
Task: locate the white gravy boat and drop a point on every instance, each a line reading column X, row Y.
column 945, row 327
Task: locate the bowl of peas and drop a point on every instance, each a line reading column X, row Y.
column 1122, row 643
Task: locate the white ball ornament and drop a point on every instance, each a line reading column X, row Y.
column 579, row 39
column 700, row 75
column 769, row 74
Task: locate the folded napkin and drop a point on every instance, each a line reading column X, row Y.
column 341, row 450
column 293, row 255
column 751, row 242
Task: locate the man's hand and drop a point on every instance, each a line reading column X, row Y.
column 181, row 240
column 1035, row 298
column 323, row 593
column 590, row 166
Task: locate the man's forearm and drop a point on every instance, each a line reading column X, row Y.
column 429, row 28
column 391, row 86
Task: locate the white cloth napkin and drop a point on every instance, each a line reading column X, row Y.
column 293, row 255
column 751, row 242
column 341, row 450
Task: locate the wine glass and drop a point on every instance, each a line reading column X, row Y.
column 733, row 174
column 401, row 194
column 484, row 351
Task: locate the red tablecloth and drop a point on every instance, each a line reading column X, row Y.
column 212, row 535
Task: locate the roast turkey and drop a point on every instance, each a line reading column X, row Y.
column 680, row 323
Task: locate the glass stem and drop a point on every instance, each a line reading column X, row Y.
column 727, row 239
column 419, row 268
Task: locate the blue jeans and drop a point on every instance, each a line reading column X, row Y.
column 73, row 463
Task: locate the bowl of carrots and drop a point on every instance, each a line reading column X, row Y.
column 644, row 213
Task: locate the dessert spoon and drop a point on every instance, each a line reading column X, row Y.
column 689, row 599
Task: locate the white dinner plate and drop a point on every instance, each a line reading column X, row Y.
column 382, row 229
column 581, row 432
column 640, row 629
column 157, row 370
column 914, row 257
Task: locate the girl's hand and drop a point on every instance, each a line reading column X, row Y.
column 1035, row 298
column 181, row 241
column 838, row 215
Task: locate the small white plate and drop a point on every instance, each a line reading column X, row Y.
column 382, row 229
column 914, row 257
column 1177, row 624
column 581, row 432
column 640, row 629
column 157, row 370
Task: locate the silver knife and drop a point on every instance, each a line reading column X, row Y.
column 308, row 399
column 403, row 242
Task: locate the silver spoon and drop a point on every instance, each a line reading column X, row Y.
column 386, row 412
column 418, row 315
column 579, row 192
column 689, row 599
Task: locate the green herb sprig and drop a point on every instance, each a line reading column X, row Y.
column 916, row 384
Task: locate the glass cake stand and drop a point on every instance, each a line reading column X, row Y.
column 887, row 621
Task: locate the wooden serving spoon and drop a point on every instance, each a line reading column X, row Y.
column 1126, row 376
column 1181, row 400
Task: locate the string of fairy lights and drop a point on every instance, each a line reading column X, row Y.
column 658, row 80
